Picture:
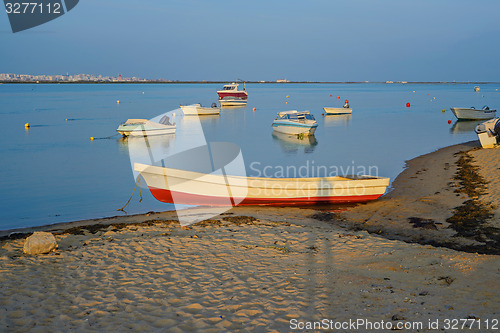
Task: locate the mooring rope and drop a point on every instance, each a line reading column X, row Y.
column 138, row 181
column 107, row 137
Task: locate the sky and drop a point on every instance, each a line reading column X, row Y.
column 307, row 40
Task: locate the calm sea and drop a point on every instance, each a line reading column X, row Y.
column 52, row 172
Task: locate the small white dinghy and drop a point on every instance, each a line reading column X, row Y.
column 472, row 113
column 489, row 133
column 346, row 109
column 331, row 111
column 197, row 109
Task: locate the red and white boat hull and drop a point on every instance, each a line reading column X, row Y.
column 192, row 188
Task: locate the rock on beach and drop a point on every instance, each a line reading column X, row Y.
column 40, row 242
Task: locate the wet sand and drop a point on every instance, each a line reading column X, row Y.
column 258, row 268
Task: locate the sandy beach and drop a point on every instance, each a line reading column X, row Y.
column 406, row 258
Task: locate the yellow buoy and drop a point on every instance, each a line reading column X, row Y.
column 91, row 138
column 27, row 125
column 443, row 111
column 287, row 96
column 117, row 102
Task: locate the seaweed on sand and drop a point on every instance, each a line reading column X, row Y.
column 470, row 220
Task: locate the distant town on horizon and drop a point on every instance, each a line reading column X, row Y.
column 93, row 78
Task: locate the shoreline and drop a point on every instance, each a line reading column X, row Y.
column 252, row 82
column 422, row 197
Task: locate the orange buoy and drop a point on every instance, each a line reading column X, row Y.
column 338, row 97
column 346, row 101
column 408, row 104
column 449, row 121
column 253, row 109
column 331, row 95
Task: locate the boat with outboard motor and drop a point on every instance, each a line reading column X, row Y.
column 143, row 127
column 472, row 113
column 197, row 109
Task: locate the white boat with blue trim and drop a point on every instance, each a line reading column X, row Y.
column 295, row 122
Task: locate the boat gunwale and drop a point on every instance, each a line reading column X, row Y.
column 140, row 167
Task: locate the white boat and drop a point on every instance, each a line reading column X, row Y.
column 295, row 123
column 197, row 109
column 194, row 188
column 143, row 127
column 489, row 133
column 472, row 113
column 330, row 111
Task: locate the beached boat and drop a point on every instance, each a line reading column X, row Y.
column 472, row 113
column 332, row 111
column 295, row 122
column 194, row 188
column 231, row 96
column 489, row 133
column 197, row 109
column 142, row 127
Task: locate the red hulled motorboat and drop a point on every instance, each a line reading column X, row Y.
column 231, row 96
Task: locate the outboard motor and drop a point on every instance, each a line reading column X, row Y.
column 214, row 105
column 165, row 120
column 496, row 128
